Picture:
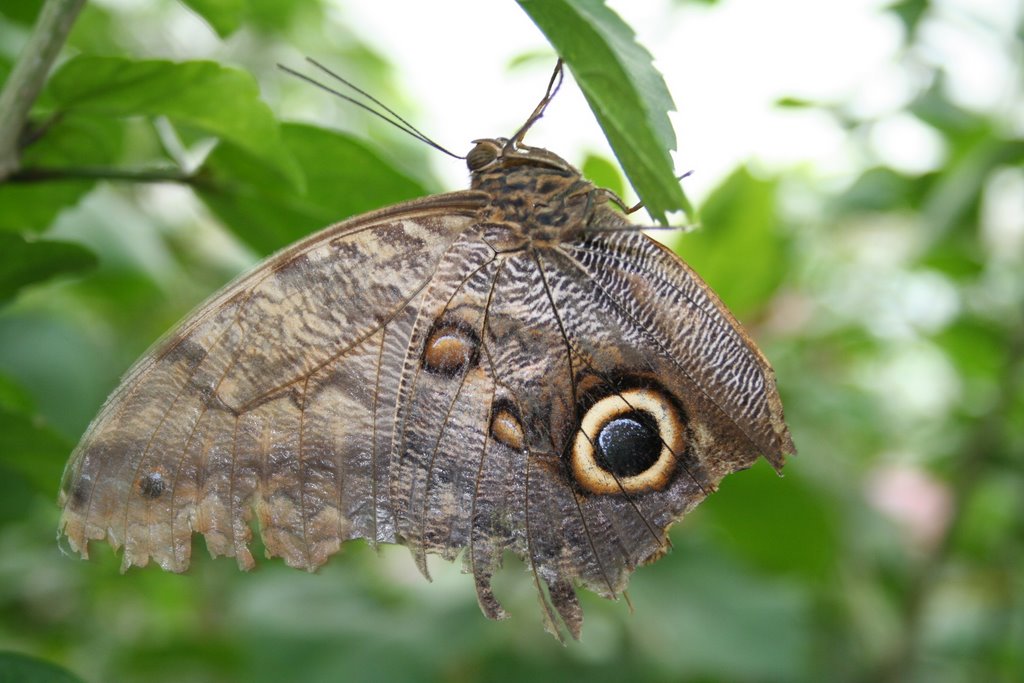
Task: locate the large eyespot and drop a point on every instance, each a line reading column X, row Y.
column 628, row 442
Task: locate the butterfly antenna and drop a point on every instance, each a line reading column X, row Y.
column 388, row 114
column 557, row 76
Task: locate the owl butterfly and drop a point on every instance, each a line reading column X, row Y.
column 512, row 367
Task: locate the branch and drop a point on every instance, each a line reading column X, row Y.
column 170, row 175
column 28, row 75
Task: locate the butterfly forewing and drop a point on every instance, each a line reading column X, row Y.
column 263, row 399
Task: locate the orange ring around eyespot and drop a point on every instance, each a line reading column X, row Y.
column 594, row 478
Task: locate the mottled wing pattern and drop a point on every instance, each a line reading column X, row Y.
column 443, row 403
column 662, row 311
column 277, row 396
column 610, row 311
column 398, row 378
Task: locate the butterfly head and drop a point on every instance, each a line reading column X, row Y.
column 499, row 155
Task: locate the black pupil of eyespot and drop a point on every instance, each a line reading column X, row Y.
column 629, row 444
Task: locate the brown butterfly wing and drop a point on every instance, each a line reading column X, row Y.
column 395, row 378
column 664, row 310
column 266, row 399
column 606, row 315
column 443, row 398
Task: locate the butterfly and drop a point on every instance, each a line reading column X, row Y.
column 513, row 367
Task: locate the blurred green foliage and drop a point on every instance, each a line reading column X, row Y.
column 891, row 305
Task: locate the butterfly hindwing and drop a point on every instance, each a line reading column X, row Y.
column 666, row 309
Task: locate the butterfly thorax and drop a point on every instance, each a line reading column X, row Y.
column 537, row 198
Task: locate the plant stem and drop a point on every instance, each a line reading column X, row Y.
column 28, row 75
column 38, row 175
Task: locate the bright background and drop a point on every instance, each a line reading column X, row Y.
column 726, row 63
column 858, row 168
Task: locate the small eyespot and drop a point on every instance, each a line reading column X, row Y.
column 628, row 442
column 482, row 154
column 506, row 427
column 452, row 347
column 80, row 491
column 152, row 485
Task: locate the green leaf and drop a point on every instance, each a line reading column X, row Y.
column 738, row 248
column 224, row 16
column 34, row 206
column 24, row 262
column 934, row 108
column 18, row 668
column 343, row 178
column 69, row 358
column 954, row 199
column 22, row 12
column 625, row 91
column 910, row 14
column 794, row 103
column 275, row 16
column 977, row 347
column 603, row 173
column 13, row 396
column 75, row 141
column 991, row 514
column 707, row 617
column 880, row 189
column 780, row 524
column 220, row 100
column 33, row 449
column 96, row 31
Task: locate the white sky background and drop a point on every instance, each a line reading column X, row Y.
column 725, row 66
